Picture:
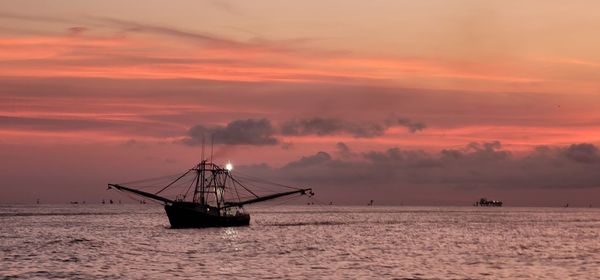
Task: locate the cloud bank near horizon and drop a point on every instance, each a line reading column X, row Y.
column 475, row 166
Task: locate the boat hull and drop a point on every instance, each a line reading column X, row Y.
column 189, row 215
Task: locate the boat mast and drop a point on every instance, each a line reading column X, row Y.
column 220, row 180
column 212, row 146
column 226, row 174
column 200, row 178
column 195, row 197
column 214, row 175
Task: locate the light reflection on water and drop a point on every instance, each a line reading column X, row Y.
column 134, row 241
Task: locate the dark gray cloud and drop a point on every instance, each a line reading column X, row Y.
column 331, row 126
column 318, row 126
column 262, row 132
column 412, row 126
column 487, row 151
column 307, row 161
column 238, row 132
column 584, row 153
column 393, row 156
column 342, row 148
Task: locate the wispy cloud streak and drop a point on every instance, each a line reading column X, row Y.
column 116, row 48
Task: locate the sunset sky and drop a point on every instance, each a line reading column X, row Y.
column 404, row 102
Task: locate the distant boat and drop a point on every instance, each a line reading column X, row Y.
column 488, row 203
column 217, row 199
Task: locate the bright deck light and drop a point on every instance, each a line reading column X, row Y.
column 229, row 166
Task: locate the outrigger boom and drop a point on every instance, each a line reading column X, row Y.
column 269, row 197
column 142, row 193
column 227, row 204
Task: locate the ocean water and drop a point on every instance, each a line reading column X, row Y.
column 301, row 242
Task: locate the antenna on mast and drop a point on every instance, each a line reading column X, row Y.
column 202, row 159
column 212, row 145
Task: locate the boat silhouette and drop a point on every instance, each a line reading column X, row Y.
column 483, row 202
column 217, row 199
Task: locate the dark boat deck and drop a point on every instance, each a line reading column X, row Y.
column 193, row 215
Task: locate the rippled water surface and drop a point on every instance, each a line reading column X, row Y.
column 308, row 242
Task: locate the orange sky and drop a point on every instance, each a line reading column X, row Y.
column 120, row 74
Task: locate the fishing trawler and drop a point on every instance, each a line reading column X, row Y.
column 483, row 202
column 217, row 199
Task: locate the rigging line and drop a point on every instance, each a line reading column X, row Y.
column 149, row 179
column 152, row 188
column 250, row 184
column 130, row 197
column 145, row 187
column 142, row 201
column 284, row 201
column 257, row 179
column 247, row 197
column 262, row 187
column 174, row 181
column 320, row 203
column 247, row 175
column 235, row 180
column 254, row 180
column 236, row 190
column 188, row 189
